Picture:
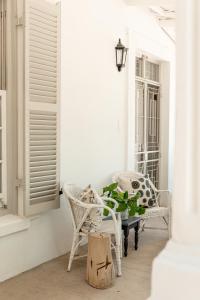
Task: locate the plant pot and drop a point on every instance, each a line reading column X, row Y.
column 124, row 215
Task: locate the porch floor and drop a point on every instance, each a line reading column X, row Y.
column 51, row 281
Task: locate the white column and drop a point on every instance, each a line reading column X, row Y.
column 176, row 271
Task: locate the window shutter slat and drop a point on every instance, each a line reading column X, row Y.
column 41, row 106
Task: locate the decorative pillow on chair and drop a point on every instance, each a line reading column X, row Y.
column 94, row 219
column 125, row 184
column 141, row 185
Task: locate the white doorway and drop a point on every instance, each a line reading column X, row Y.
column 150, row 78
column 147, row 118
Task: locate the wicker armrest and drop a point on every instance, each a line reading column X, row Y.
column 118, row 214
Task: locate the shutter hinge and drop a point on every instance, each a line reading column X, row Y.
column 19, row 183
column 19, row 21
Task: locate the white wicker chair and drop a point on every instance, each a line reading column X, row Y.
column 80, row 211
column 162, row 208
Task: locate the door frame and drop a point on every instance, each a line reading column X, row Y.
column 141, row 44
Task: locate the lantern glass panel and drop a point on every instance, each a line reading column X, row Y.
column 119, row 56
column 124, row 56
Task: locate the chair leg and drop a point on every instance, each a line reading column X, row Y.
column 78, row 246
column 118, row 255
column 165, row 221
column 168, row 223
column 121, row 246
column 72, row 253
column 142, row 225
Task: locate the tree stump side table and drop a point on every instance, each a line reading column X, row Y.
column 99, row 261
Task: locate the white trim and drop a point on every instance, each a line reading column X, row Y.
column 33, row 106
column 10, row 224
column 20, row 105
column 164, row 124
column 130, row 163
column 3, row 194
column 139, row 43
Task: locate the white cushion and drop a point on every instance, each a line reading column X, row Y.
column 94, row 219
column 156, row 212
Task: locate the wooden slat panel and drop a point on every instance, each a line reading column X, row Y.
column 40, row 54
column 44, row 183
column 43, row 15
column 46, row 67
column 38, row 34
column 42, row 179
column 42, row 83
column 42, row 67
column 42, row 26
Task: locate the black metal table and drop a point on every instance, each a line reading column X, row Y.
column 132, row 222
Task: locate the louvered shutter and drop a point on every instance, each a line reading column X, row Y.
column 42, row 25
column 3, row 150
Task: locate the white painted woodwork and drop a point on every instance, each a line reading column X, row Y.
column 3, row 46
column 3, row 150
column 10, row 224
column 41, row 106
column 139, row 44
column 176, row 271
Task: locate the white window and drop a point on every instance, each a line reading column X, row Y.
column 33, row 89
column 147, row 109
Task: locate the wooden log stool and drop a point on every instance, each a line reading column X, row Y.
column 100, row 271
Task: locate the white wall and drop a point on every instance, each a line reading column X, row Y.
column 93, row 118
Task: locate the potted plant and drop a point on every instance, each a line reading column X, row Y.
column 127, row 205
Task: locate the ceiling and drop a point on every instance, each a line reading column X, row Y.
column 164, row 12
column 166, row 17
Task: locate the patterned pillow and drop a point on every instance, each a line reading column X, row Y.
column 142, row 185
column 94, row 219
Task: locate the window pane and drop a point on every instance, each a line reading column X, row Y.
column 139, row 65
column 153, row 118
column 152, row 71
column 153, row 172
column 139, row 126
column 140, row 167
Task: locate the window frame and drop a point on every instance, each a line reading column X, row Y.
column 10, row 111
column 139, row 45
column 16, row 84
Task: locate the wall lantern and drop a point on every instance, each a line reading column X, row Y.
column 121, row 54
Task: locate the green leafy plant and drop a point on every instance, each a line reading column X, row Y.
column 125, row 202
